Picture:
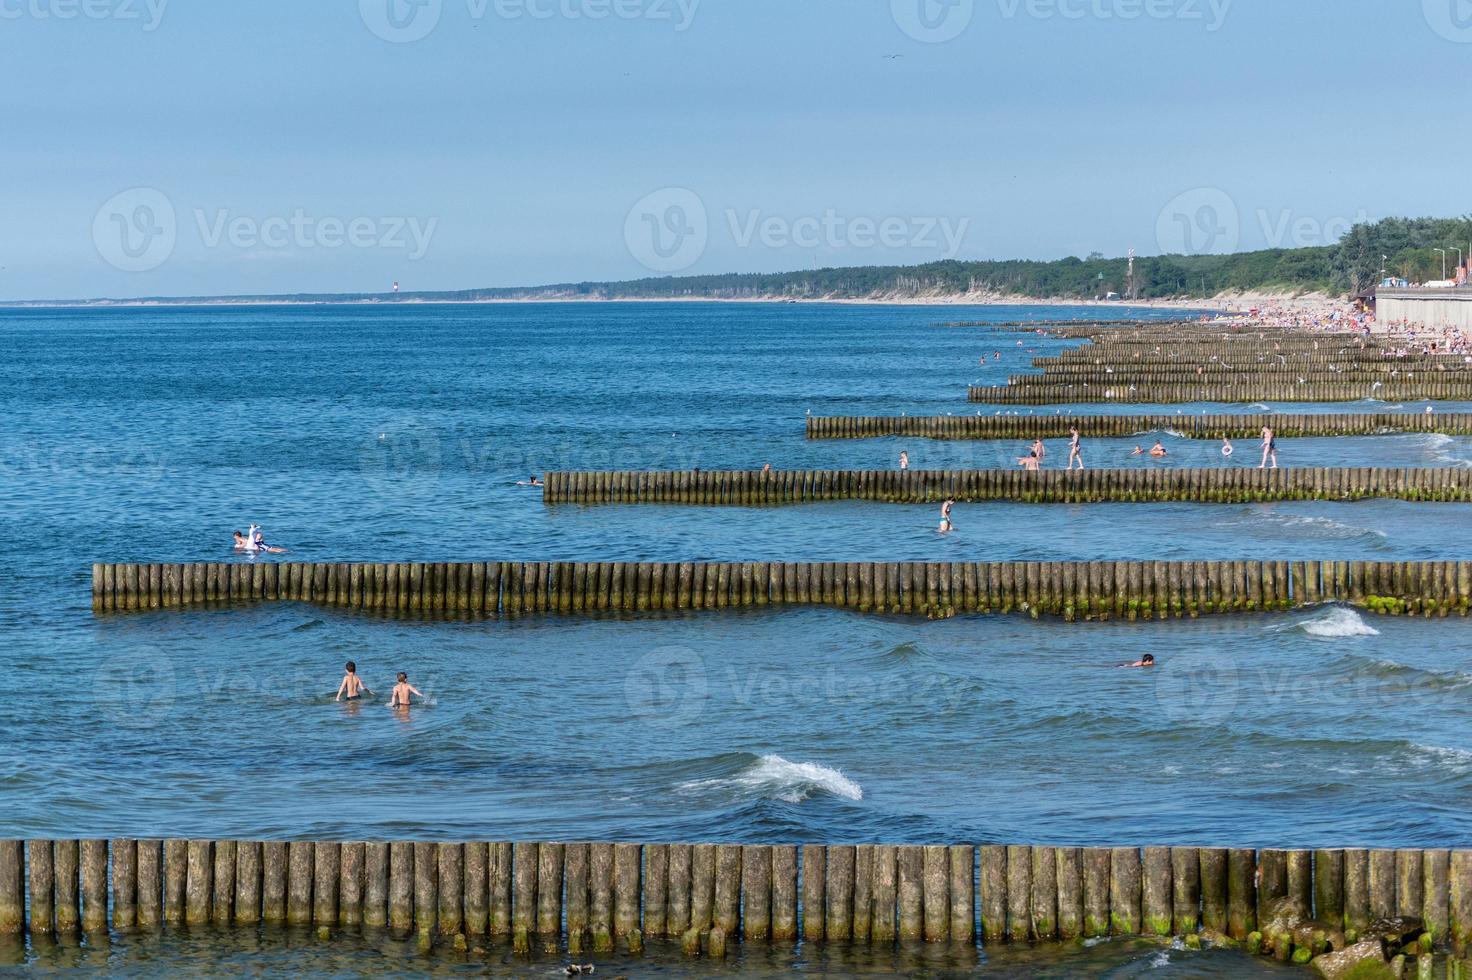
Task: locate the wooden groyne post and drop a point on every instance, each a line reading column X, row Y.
column 1096, row 590
column 707, row 897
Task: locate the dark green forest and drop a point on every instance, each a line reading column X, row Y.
column 1401, row 247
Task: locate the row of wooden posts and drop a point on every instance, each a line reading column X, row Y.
column 1246, row 426
column 1234, row 485
column 599, row 896
column 1122, row 389
column 1072, row 590
column 1219, row 374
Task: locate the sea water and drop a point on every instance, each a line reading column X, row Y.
column 366, row 433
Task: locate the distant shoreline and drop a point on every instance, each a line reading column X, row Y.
column 1217, row 304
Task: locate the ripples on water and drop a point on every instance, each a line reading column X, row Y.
column 397, row 434
column 271, row 952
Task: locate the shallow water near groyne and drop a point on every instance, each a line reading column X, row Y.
column 217, row 952
column 383, row 434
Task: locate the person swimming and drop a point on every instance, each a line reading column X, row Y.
column 1029, row 462
column 531, row 481
column 352, row 686
column 1148, row 660
column 400, row 697
column 1157, row 450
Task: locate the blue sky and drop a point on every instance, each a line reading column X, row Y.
column 277, row 146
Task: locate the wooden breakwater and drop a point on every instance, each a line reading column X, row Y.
column 1219, row 485
column 1122, row 388
column 1248, row 426
column 597, row 897
column 1181, row 364
column 1071, row 590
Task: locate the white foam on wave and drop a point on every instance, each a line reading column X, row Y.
column 1309, row 524
column 1337, row 623
column 1459, row 759
column 773, row 777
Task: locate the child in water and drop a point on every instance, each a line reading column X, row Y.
column 402, row 690
column 1148, row 660
column 352, row 686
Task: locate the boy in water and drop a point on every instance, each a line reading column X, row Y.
column 402, row 690
column 1146, row 661
column 904, row 461
column 352, row 686
column 1029, row 462
column 945, row 516
column 1157, row 450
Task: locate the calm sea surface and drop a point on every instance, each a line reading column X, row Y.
column 359, row 433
